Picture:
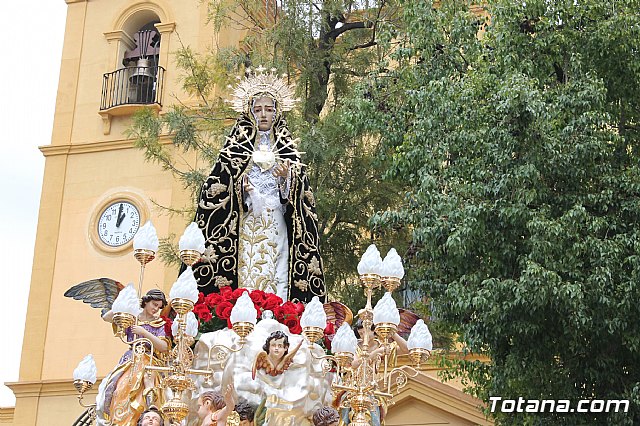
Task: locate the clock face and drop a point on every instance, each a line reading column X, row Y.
column 118, row 223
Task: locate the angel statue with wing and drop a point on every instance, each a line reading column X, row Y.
column 274, row 370
column 256, row 208
column 128, row 390
column 275, row 357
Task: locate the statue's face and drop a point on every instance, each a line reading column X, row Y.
column 153, row 307
column 276, row 348
column 151, row 419
column 203, row 409
column 264, row 111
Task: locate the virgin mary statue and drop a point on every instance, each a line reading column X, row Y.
column 256, row 208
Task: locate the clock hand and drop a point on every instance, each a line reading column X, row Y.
column 121, row 216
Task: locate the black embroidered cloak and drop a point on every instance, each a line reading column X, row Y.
column 221, row 207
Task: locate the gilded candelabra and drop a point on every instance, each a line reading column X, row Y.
column 178, row 368
column 175, row 372
column 367, row 380
column 365, row 372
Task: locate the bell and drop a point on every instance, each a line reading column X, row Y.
column 142, row 72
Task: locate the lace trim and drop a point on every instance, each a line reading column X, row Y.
column 267, row 189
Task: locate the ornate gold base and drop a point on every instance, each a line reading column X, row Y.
column 419, row 356
column 175, row 410
column 344, row 359
column 190, row 257
column 243, row 329
column 178, row 382
column 391, row 283
column 370, row 281
column 384, row 329
column 123, row 320
column 360, row 405
column 144, row 256
column 82, row 386
column 312, row 334
column 360, row 422
column 181, row 306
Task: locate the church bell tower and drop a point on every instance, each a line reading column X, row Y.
column 117, row 58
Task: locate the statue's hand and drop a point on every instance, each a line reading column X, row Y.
column 282, row 169
column 140, row 331
column 246, row 185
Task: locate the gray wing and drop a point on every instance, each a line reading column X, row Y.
column 99, row 292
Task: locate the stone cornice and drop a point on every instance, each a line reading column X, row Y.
column 47, row 388
column 7, row 414
column 165, row 27
column 84, row 148
column 122, row 36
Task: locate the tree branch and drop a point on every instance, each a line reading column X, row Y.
column 371, row 42
column 337, row 32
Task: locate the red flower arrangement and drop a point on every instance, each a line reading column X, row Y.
column 214, row 310
column 168, row 322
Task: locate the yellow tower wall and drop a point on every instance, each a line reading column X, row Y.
column 90, row 161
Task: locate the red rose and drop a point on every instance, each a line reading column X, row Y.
column 289, row 308
column 278, row 313
column 294, row 324
column 223, row 310
column 200, row 297
column 329, row 329
column 202, row 312
column 168, row 322
column 299, row 308
column 226, row 292
column 258, row 297
column 214, row 299
column 271, row 302
column 238, row 292
column 229, row 325
column 329, row 332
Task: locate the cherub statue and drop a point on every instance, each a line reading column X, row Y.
column 246, row 412
column 214, row 409
column 151, row 417
column 209, row 403
column 275, row 358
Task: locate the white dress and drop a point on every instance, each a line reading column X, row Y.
column 263, row 244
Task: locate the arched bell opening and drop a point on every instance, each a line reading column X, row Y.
column 140, row 79
column 142, row 63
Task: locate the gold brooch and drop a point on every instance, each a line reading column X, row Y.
column 259, row 82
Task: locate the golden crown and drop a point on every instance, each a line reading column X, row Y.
column 258, row 82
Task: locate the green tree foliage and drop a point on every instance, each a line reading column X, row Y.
column 521, row 150
column 325, row 47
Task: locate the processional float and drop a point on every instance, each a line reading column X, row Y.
column 361, row 382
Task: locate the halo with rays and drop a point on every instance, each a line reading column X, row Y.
column 226, row 152
column 259, row 81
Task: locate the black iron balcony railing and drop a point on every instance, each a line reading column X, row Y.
column 132, row 85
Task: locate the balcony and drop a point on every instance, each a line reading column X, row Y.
column 126, row 90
